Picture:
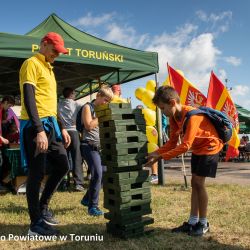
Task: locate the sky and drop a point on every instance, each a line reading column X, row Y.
column 194, row 36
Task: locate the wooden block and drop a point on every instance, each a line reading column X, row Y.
column 134, row 194
column 122, row 145
column 125, row 219
column 132, row 230
column 120, row 179
column 123, row 168
column 124, row 199
column 137, row 224
column 124, row 134
column 123, row 128
column 115, row 189
column 113, row 106
column 112, row 157
column 114, row 123
column 131, row 210
column 129, row 163
column 127, row 139
column 121, row 182
column 121, row 117
column 124, row 151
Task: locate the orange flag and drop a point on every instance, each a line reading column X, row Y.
column 219, row 98
column 189, row 95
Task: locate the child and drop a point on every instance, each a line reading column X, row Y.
column 202, row 138
column 90, row 146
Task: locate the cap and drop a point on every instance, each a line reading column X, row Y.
column 57, row 41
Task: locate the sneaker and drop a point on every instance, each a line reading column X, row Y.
column 79, row 188
column 199, row 229
column 154, row 179
column 41, row 228
column 95, row 211
column 85, row 202
column 48, row 218
column 184, row 228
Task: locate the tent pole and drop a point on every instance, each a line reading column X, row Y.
column 118, row 76
column 161, row 175
column 90, row 90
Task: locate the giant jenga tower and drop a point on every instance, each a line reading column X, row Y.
column 126, row 185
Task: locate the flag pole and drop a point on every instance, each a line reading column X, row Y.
column 183, row 167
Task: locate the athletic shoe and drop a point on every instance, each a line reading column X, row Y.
column 41, row 228
column 79, row 188
column 154, row 179
column 95, row 211
column 48, row 218
column 85, row 202
column 199, row 229
column 184, row 228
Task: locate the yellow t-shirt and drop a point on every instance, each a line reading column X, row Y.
column 39, row 73
column 117, row 99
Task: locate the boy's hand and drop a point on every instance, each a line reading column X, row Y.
column 152, row 158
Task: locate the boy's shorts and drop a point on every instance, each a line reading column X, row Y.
column 204, row 165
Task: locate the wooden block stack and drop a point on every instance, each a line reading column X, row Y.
column 126, row 185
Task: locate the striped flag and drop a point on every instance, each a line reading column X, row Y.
column 189, row 95
column 219, row 98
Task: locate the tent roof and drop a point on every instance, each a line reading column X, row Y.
column 90, row 59
column 244, row 119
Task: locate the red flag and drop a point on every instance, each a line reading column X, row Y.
column 219, row 98
column 189, row 95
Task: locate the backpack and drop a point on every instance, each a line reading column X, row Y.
column 221, row 122
column 79, row 124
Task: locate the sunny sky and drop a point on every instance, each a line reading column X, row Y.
column 195, row 36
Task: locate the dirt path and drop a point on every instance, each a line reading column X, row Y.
column 227, row 172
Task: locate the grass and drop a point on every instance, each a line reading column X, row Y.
column 229, row 216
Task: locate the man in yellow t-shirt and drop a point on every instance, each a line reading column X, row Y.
column 40, row 135
column 117, row 95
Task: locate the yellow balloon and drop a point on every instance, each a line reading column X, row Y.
column 139, row 93
column 152, row 147
column 147, row 99
column 180, row 72
column 149, row 116
column 152, row 134
column 151, row 85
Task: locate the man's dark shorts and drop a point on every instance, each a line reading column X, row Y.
column 204, row 165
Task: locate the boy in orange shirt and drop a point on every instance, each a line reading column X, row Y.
column 202, row 138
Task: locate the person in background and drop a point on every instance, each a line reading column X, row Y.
column 41, row 138
column 5, row 104
column 90, row 149
column 117, row 94
column 200, row 136
column 13, row 134
column 68, row 109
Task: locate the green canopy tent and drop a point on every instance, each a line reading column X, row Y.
column 90, row 60
column 244, row 119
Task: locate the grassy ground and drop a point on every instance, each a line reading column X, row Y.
column 229, row 216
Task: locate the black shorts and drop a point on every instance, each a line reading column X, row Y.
column 204, row 165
